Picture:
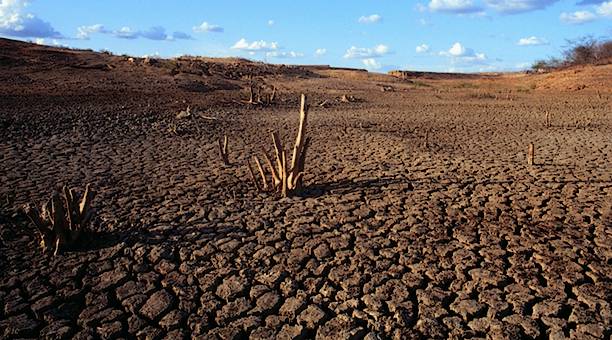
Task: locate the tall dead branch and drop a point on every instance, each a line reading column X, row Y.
column 285, row 178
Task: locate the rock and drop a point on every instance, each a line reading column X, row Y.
column 158, row 304
column 159, row 252
column 289, row 332
column 172, row 320
column 110, row 330
column 232, row 310
column 322, row 251
column 133, row 303
column 57, row 330
column 135, row 323
column 19, row 326
column 467, row 308
column 312, row 316
column 150, row 333
column 176, row 334
column 267, row 302
column 232, row 287
column 110, row 279
column 291, row 307
column 529, row 326
column 340, row 327
column 128, row 289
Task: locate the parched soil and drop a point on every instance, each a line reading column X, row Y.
column 420, row 218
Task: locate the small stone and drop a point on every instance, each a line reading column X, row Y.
column 150, row 333
column 158, row 252
column 233, row 310
column 289, row 332
column 57, row 330
column 292, row 307
column 110, row 330
column 232, row 287
column 267, row 302
column 172, row 320
column 159, row 303
column 133, row 303
column 311, row 316
column 110, row 279
column 19, row 326
column 467, row 308
column 322, row 251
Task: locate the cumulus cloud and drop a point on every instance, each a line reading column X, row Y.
column 16, row 22
column 454, row 6
column 605, row 9
column 320, row 52
column 370, row 19
column 501, row 6
column 153, row 33
column 464, row 55
column 179, row 36
column 126, row 32
column 366, row 53
column 518, row 6
column 290, row 54
column 423, row 48
column 255, row 46
column 207, row 27
column 372, row 64
column 532, row 41
column 578, row 17
column 83, row 32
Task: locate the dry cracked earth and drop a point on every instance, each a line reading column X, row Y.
column 421, row 218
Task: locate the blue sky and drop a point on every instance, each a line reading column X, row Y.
column 436, row 35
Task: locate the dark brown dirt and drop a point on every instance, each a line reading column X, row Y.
column 421, row 217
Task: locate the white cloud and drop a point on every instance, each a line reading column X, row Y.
column 155, row 33
column 578, row 17
column 271, row 22
column 363, row 53
column 320, row 52
column 39, row 41
column 605, row 9
column 16, row 22
column 179, row 35
column 457, row 50
column 464, row 55
column 422, row 48
column 371, row 64
column 126, row 32
column 518, row 6
column 454, row 6
column 254, row 46
column 532, row 41
column 83, row 32
column 370, row 19
column 290, row 54
column 206, row 27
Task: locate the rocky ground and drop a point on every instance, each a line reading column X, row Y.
column 421, row 217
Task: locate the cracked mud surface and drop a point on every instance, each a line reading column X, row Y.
column 421, row 217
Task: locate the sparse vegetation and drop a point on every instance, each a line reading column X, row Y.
column 582, row 51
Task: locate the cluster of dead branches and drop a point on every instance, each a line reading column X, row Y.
column 61, row 224
column 257, row 92
column 283, row 177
